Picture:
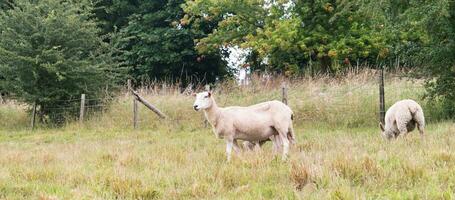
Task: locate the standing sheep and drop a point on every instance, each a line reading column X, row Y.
column 254, row 123
column 401, row 118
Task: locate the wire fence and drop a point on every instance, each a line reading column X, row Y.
column 350, row 103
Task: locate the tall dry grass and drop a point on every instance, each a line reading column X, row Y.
column 350, row 100
column 345, row 100
column 339, row 152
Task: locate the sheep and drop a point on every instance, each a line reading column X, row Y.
column 401, row 118
column 277, row 144
column 253, row 123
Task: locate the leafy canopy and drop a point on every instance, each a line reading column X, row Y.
column 291, row 35
column 155, row 45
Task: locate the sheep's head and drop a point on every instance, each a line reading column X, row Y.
column 203, row 101
column 388, row 134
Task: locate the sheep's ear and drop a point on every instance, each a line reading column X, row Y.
column 193, row 94
column 381, row 126
column 210, row 93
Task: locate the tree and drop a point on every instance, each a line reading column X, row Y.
column 438, row 55
column 155, row 45
column 292, row 35
column 422, row 35
column 113, row 14
column 6, row 4
column 50, row 52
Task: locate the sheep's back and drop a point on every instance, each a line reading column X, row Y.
column 401, row 110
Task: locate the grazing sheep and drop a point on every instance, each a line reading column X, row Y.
column 401, row 118
column 253, row 123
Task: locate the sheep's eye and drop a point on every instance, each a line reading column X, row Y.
column 206, row 97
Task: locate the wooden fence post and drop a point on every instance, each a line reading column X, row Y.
column 33, row 116
column 135, row 113
column 381, row 97
column 82, row 109
column 129, row 86
column 149, row 106
column 164, row 90
column 284, row 93
column 206, row 123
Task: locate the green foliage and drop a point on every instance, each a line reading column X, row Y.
column 331, row 35
column 6, row 4
column 156, row 45
column 113, row 14
column 440, row 53
column 53, row 50
column 50, row 52
column 423, row 35
column 293, row 34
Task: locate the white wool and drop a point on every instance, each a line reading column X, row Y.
column 402, row 117
column 254, row 123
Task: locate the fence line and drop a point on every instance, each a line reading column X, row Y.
column 335, row 99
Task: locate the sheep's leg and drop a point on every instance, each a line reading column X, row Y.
column 418, row 118
column 248, row 145
column 292, row 139
column 257, row 146
column 229, row 145
column 402, row 128
column 283, row 134
column 421, row 129
column 285, row 147
column 236, row 147
column 276, row 143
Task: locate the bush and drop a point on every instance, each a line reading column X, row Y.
column 51, row 52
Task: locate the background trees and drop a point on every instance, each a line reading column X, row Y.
column 155, row 45
column 296, row 36
column 293, row 35
column 58, row 49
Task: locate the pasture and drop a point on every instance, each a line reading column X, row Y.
column 339, row 153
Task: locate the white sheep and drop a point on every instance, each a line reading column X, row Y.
column 253, row 123
column 401, row 118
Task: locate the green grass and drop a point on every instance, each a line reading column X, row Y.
column 339, row 154
column 183, row 164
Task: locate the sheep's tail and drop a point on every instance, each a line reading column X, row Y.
column 412, row 111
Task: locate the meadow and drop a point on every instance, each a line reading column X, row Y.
column 339, row 153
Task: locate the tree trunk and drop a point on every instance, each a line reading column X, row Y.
column 326, row 65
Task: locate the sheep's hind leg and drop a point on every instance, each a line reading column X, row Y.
column 283, row 134
column 291, row 135
column 276, row 142
column 420, row 121
column 403, row 130
column 421, row 129
column 249, row 146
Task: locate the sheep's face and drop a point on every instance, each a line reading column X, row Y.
column 203, row 101
column 388, row 134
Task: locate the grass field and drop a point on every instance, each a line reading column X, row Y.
column 339, row 153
